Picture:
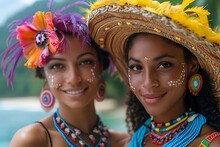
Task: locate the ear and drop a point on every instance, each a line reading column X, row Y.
column 193, row 66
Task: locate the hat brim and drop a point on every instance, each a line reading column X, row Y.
column 111, row 25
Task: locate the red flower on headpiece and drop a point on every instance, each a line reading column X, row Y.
column 38, row 39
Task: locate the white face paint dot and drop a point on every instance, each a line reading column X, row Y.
column 180, row 80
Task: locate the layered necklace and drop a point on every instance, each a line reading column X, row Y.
column 73, row 135
column 173, row 128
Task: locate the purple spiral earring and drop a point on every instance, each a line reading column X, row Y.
column 47, row 99
column 195, row 84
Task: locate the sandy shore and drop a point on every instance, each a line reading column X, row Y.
column 32, row 103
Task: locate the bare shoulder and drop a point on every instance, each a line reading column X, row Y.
column 215, row 142
column 30, row 136
column 209, row 132
column 119, row 139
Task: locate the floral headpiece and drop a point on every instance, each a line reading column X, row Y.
column 111, row 22
column 36, row 38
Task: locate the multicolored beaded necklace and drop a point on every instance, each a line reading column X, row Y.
column 180, row 124
column 73, row 136
column 158, row 127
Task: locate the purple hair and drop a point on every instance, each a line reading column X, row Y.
column 73, row 23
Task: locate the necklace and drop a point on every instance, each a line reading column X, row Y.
column 180, row 123
column 73, row 135
column 164, row 127
column 182, row 139
column 160, row 140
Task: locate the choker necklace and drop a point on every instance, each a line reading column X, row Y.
column 164, row 127
column 160, row 140
column 74, row 136
column 176, row 126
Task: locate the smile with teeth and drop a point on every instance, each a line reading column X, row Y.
column 75, row 92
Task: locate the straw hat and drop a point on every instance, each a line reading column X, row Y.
column 112, row 22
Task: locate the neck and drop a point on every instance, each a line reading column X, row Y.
column 98, row 136
column 171, row 114
column 83, row 119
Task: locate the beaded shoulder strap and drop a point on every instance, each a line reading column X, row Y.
column 206, row 141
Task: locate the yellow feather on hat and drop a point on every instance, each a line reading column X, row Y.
column 194, row 19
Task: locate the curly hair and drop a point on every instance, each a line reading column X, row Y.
column 204, row 102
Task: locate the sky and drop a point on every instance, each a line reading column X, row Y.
column 11, row 7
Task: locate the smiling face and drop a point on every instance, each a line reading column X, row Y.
column 73, row 74
column 157, row 73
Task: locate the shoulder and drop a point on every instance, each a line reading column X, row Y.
column 208, row 134
column 30, row 136
column 119, row 138
column 215, row 139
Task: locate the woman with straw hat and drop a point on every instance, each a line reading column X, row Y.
column 57, row 45
column 170, row 58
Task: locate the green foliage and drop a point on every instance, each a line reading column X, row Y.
column 116, row 88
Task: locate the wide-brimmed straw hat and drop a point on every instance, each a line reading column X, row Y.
column 112, row 22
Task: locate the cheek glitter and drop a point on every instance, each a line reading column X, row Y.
column 51, row 82
column 129, row 80
column 180, row 80
column 93, row 77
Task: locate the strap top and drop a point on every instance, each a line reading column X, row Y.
column 48, row 133
column 206, row 141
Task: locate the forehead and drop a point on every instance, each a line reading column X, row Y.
column 74, row 47
column 152, row 45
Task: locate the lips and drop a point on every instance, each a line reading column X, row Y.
column 75, row 92
column 152, row 98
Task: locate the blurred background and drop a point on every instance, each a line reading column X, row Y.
column 19, row 105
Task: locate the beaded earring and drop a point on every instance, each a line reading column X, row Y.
column 101, row 91
column 195, row 84
column 47, row 99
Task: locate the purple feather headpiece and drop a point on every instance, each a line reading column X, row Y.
column 35, row 38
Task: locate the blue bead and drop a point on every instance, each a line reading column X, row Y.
column 45, row 99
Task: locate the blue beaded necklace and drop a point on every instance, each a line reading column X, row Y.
column 73, row 138
column 182, row 139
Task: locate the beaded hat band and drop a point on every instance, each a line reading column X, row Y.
column 111, row 23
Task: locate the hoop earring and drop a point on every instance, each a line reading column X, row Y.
column 195, row 84
column 47, row 99
column 101, row 91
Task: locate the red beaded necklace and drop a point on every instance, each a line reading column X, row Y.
column 76, row 138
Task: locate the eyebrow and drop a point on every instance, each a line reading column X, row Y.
column 154, row 59
column 163, row 56
column 62, row 59
column 86, row 53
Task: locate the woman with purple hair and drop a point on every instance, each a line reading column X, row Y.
column 60, row 50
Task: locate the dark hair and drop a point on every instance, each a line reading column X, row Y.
column 204, row 102
column 103, row 58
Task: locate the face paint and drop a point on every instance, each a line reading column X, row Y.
column 129, row 80
column 180, row 80
column 93, row 77
column 51, row 82
column 146, row 59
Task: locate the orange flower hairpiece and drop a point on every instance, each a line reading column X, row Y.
column 38, row 39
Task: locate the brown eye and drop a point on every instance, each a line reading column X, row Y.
column 135, row 67
column 165, row 65
column 87, row 62
column 56, row 67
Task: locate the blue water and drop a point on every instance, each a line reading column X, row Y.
column 12, row 120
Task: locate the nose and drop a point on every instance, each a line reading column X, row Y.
column 73, row 76
column 150, row 79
